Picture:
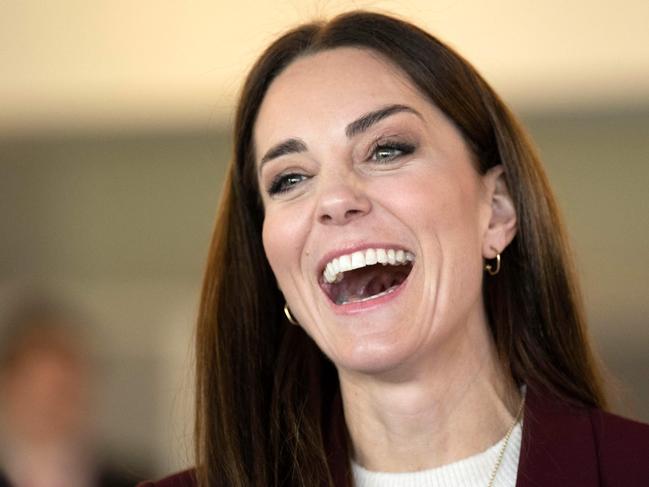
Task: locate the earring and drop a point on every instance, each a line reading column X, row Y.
column 288, row 314
column 490, row 269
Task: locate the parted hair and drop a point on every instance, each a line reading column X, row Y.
column 265, row 394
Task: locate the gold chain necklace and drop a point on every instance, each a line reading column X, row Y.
column 501, row 453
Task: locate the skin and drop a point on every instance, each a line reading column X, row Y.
column 420, row 379
column 45, row 398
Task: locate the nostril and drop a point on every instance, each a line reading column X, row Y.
column 351, row 213
column 341, row 206
column 346, row 216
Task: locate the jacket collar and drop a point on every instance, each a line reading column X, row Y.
column 558, row 446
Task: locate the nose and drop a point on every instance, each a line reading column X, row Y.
column 342, row 203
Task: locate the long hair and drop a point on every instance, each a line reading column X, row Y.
column 266, row 395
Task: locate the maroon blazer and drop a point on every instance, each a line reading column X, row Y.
column 561, row 446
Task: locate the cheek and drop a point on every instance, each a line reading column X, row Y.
column 441, row 207
column 282, row 237
column 436, row 201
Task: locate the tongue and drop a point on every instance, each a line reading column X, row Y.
column 368, row 281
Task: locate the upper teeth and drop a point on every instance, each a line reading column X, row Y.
column 336, row 267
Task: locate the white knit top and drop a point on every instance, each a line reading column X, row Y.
column 473, row 471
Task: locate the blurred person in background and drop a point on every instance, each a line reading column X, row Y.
column 47, row 436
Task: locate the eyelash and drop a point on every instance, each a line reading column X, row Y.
column 283, row 183
column 280, row 183
column 403, row 148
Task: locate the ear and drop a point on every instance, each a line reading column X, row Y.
column 502, row 223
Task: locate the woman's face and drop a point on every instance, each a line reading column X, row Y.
column 376, row 220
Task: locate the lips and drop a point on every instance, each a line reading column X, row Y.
column 365, row 275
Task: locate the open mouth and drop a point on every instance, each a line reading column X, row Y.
column 365, row 275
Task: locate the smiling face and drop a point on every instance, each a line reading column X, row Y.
column 376, row 220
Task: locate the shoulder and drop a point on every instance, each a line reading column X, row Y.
column 613, row 428
column 181, row 479
column 564, row 444
column 622, row 446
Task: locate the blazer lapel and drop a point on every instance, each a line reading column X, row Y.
column 558, row 445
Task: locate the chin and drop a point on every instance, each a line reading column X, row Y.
column 371, row 357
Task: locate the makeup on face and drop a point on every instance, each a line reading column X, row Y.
column 371, row 220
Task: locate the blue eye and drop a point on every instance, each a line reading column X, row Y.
column 285, row 182
column 387, row 152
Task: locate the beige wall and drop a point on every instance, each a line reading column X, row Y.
column 119, row 64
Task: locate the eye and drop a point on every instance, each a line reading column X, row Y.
column 388, row 151
column 285, row 182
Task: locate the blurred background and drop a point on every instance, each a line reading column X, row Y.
column 115, row 132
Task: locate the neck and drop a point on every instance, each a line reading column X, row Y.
column 435, row 412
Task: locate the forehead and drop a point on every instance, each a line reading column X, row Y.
column 327, row 90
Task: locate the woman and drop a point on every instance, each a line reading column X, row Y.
column 47, row 434
column 388, row 297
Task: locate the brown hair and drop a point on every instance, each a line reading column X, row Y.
column 266, row 395
column 38, row 325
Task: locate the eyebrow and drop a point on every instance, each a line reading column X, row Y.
column 288, row 146
column 358, row 126
column 366, row 121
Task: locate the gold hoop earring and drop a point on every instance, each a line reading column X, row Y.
column 288, row 314
column 490, row 269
